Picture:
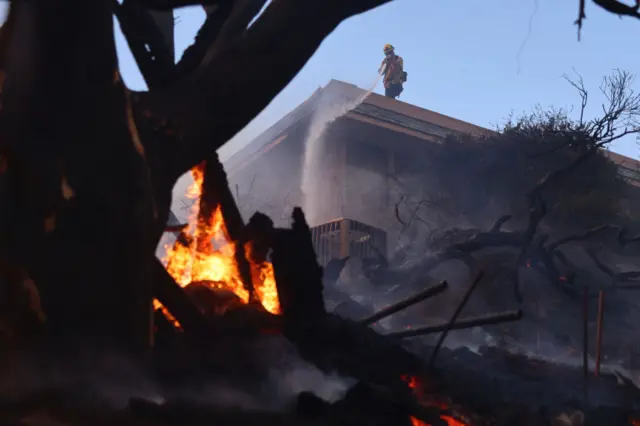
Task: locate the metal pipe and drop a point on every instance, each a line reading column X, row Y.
column 454, row 317
column 585, row 342
column 403, row 304
column 599, row 332
column 460, row 325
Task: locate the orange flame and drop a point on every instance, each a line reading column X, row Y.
column 208, row 255
column 264, row 282
column 415, row 384
column 417, row 422
column 411, row 381
column 450, row 421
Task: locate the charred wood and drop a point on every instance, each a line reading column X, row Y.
column 298, row 275
column 176, row 228
column 78, row 216
column 332, row 271
column 196, row 103
column 345, row 347
column 403, row 304
column 259, row 231
column 146, row 42
column 207, row 34
column 169, row 293
column 454, row 317
column 462, row 324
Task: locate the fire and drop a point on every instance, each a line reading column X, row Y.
column 264, row 282
column 417, row 422
column 159, row 306
column 450, row 421
column 206, row 254
column 415, row 384
column 411, row 381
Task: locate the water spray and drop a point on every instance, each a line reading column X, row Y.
column 323, row 116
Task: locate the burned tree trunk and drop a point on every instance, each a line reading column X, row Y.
column 298, row 275
column 86, row 168
column 76, row 176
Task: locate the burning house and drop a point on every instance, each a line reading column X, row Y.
column 327, row 152
column 342, row 153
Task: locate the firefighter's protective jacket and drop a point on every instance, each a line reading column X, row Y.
column 394, row 71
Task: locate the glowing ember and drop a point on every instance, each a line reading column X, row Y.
column 207, row 255
column 450, row 421
column 416, row 422
column 411, row 381
column 415, row 385
column 159, row 306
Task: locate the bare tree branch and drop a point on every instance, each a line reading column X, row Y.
column 580, row 237
column 497, row 226
column 619, row 8
column 581, row 17
column 252, row 70
column 620, row 117
column 624, row 240
column 396, row 209
column 206, row 36
column 236, row 25
column 582, row 91
column 618, row 279
column 146, row 43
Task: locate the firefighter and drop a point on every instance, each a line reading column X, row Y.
column 392, row 70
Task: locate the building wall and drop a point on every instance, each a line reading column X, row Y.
column 357, row 171
column 380, row 171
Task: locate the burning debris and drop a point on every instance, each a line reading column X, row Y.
column 210, row 316
column 205, row 253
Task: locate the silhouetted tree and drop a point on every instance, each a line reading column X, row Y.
column 87, row 166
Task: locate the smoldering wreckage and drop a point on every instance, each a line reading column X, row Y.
column 233, row 299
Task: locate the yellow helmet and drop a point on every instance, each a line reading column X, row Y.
column 387, row 48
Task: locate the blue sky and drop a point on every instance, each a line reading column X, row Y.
column 476, row 61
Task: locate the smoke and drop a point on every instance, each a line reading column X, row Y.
column 315, row 152
column 90, row 377
column 278, row 375
column 263, row 373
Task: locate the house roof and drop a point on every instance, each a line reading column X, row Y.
column 380, row 111
column 373, row 109
column 273, row 133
